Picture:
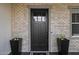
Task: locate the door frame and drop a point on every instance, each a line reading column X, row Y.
column 49, row 25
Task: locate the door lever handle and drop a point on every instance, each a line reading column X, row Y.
column 51, row 32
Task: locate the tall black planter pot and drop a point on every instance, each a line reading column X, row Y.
column 63, row 46
column 16, row 46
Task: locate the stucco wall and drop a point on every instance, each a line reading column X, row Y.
column 59, row 23
column 5, row 28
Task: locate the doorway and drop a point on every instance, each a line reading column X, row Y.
column 39, row 29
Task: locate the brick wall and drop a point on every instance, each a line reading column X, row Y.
column 59, row 23
column 20, row 24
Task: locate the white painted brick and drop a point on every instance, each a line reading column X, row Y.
column 59, row 23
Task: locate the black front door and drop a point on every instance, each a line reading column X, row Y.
column 39, row 29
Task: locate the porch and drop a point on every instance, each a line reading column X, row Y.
column 15, row 22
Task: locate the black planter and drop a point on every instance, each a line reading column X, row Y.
column 63, row 46
column 16, row 46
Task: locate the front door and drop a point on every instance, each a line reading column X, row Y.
column 39, row 29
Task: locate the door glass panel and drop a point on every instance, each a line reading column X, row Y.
column 43, row 18
column 35, row 18
column 39, row 18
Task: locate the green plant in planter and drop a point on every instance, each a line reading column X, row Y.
column 61, row 36
column 63, row 44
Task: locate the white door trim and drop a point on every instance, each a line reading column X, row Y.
column 39, row 6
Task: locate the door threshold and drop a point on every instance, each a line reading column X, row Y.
column 39, row 53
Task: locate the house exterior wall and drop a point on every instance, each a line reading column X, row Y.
column 5, row 28
column 60, row 22
column 20, row 24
